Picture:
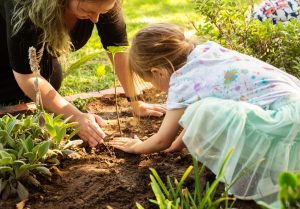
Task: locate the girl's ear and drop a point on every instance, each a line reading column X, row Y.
column 159, row 72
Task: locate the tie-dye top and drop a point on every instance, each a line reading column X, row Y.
column 214, row 71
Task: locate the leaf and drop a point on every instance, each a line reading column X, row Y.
column 60, row 135
column 160, row 182
column 53, row 161
column 76, row 131
column 73, row 143
column 51, row 130
column 4, row 154
column 80, row 62
column 288, row 179
column 100, row 70
column 30, row 156
column 5, row 169
column 139, row 206
column 43, row 170
column 6, row 161
column 33, row 181
column 3, row 184
column 22, row 191
column 43, row 149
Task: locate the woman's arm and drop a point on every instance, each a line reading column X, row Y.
column 158, row 142
column 54, row 102
column 122, row 71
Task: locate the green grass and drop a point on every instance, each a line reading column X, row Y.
column 137, row 13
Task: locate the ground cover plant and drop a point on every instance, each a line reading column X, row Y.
column 27, row 150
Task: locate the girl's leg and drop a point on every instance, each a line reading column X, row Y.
column 178, row 144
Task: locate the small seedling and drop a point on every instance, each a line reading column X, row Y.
column 114, row 50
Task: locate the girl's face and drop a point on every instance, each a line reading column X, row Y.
column 160, row 79
column 90, row 9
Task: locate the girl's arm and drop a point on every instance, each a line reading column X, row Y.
column 158, row 142
column 89, row 124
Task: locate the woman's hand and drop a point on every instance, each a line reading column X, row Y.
column 146, row 109
column 90, row 128
column 125, row 144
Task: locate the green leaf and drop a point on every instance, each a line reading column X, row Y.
column 185, row 175
column 139, row 206
column 43, row 170
column 43, row 149
column 51, row 130
column 288, row 179
column 4, row 154
column 30, row 156
column 3, row 184
column 80, row 62
column 6, row 161
column 76, row 131
column 101, row 70
column 22, row 191
column 6, row 169
column 73, row 143
column 160, row 182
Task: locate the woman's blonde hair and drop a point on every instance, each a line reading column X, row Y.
column 47, row 15
column 159, row 45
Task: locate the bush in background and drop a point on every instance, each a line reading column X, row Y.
column 228, row 22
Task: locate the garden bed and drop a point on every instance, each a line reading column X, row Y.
column 105, row 178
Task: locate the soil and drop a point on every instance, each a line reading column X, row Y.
column 105, row 178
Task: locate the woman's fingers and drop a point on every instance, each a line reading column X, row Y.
column 100, row 121
column 146, row 109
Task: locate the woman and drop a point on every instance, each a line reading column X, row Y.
column 55, row 28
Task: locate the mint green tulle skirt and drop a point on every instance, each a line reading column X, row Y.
column 267, row 141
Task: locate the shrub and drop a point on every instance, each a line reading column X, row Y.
column 227, row 22
column 28, row 148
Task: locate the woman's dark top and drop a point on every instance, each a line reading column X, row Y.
column 14, row 49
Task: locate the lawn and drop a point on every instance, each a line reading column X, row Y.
column 81, row 76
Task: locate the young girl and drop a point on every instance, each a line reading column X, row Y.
column 223, row 99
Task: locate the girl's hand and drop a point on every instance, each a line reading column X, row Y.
column 90, row 128
column 146, row 109
column 125, row 144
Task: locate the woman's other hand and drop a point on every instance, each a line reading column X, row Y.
column 146, row 109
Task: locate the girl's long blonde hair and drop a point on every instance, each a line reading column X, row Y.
column 49, row 16
column 159, row 45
